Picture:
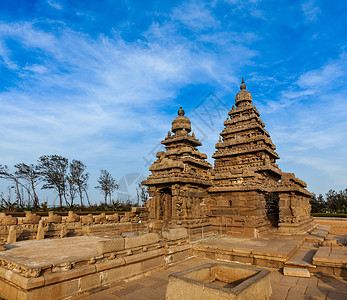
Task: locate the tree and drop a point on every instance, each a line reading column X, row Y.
column 32, row 175
column 142, row 195
column 53, row 169
column 107, row 184
column 318, row 204
column 79, row 177
column 5, row 173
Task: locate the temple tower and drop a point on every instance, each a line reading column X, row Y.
column 245, row 172
column 179, row 180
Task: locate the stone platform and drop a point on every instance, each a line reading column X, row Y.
column 272, row 251
column 68, row 267
column 153, row 286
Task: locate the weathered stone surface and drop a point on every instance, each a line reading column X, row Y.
column 86, row 220
column 111, row 245
column 198, row 283
column 12, row 235
column 142, row 240
column 297, row 272
column 7, row 220
column 72, row 217
column 63, row 231
column 113, row 218
column 175, row 234
column 52, row 218
column 31, row 218
column 40, row 231
column 100, row 218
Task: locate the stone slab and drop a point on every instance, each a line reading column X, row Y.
column 297, row 272
column 45, row 253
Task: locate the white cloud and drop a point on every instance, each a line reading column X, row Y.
column 310, row 10
column 55, row 4
column 195, row 15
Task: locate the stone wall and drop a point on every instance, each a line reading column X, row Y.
column 26, row 228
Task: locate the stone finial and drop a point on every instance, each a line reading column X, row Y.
column 243, row 86
column 181, row 112
column 193, row 135
column 220, row 139
column 169, row 133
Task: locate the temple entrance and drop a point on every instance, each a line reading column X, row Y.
column 165, row 204
column 272, row 210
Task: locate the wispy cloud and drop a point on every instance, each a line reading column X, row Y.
column 310, row 10
column 55, row 4
column 195, row 15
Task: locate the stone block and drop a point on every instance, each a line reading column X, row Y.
column 153, row 264
column 52, row 218
column 118, row 274
column 111, row 245
column 31, row 218
column 2, row 248
column 56, row 277
column 72, row 217
column 63, row 231
column 297, row 272
column 12, row 235
column 86, row 220
column 113, row 218
column 90, row 282
column 175, row 234
column 142, row 240
column 100, row 218
column 110, row 264
column 8, row 220
column 40, row 231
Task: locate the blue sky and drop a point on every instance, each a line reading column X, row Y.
column 101, row 81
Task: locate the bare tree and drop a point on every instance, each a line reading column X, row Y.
column 107, row 184
column 142, row 194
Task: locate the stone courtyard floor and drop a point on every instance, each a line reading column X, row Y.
column 153, row 286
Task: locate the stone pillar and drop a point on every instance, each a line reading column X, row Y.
column 63, row 231
column 40, row 231
column 12, row 235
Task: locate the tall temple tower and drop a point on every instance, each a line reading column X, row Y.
column 179, row 180
column 245, row 172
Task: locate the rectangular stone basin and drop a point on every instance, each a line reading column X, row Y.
column 219, row 281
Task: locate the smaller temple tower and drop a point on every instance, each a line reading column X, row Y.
column 179, row 180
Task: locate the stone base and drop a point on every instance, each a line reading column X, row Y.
column 220, row 281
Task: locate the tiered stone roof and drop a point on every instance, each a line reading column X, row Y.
column 182, row 161
column 245, row 153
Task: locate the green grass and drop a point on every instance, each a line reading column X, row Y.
column 329, row 215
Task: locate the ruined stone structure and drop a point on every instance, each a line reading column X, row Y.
column 245, row 191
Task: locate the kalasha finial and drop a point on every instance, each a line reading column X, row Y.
column 243, row 86
column 181, row 112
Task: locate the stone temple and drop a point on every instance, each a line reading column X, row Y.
column 245, row 192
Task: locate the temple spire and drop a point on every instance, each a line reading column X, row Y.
column 243, row 86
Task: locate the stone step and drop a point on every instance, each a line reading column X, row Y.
column 303, row 257
column 319, row 234
column 297, row 272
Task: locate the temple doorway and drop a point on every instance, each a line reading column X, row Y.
column 165, row 202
